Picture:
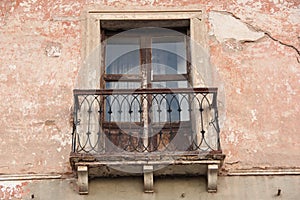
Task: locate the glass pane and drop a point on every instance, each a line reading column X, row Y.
column 170, row 84
column 122, row 55
column 170, row 107
column 123, row 85
column 123, row 108
column 169, row 55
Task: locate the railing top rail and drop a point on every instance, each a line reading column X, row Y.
column 144, row 91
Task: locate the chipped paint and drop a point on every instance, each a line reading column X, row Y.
column 63, row 141
column 231, row 138
column 12, row 189
column 253, row 114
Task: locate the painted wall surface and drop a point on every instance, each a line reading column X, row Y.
column 166, row 188
column 253, row 44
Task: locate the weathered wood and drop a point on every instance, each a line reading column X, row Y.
column 145, row 91
column 154, row 125
column 170, row 77
column 122, row 77
column 122, row 24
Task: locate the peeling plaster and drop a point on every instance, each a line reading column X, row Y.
column 12, row 189
column 225, row 26
column 63, row 141
column 53, row 49
column 232, row 138
column 294, row 16
column 12, row 67
column 289, row 88
column 253, row 114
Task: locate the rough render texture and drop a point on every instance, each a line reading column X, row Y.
column 166, row 188
column 258, row 62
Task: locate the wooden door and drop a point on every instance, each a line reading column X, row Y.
column 144, row 122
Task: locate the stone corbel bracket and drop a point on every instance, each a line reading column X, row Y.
column 148, row 178
column 83, row 179
column 212, row 177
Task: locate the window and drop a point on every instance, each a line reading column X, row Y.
column 148, row 57
column 124, row 53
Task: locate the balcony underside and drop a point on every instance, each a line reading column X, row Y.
column 187, row 163
column 148, row 166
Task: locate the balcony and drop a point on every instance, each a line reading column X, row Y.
column 146, row 132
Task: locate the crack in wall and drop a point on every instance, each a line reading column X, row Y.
column 282, row 43
column 265, row 32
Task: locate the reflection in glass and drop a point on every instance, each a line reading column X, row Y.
column 169, row 55
column 122, row 56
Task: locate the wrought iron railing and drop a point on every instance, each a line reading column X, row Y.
column 145, row 120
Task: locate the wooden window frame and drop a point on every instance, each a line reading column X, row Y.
column 145, row 53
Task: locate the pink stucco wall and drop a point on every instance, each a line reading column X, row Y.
column 261, row 79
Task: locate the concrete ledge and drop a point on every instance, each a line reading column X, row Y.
column 262, row 172
column 16, row 177
column 162, row 162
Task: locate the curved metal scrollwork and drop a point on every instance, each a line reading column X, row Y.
column 146, row 120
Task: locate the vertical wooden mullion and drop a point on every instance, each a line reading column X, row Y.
column 102, row 84
column 188, row 58
column 153, row 142
column 146, row 83
column 103, row 69
column 190, row 81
